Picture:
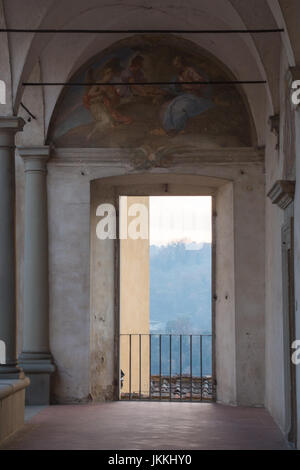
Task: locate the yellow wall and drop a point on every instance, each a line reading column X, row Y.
column 134, row 303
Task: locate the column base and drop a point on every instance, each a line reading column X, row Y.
column 11, row 371
column 38, row 367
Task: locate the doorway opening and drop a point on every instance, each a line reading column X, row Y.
column 166, row 344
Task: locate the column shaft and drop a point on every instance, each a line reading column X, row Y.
column 8, row 322
column 36, row 301
column 36, row 359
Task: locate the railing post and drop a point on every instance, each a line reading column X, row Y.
column 150, row 393
column 160, row 367
column 140, row 368
column 130, row 367
column 180, row 367
column 191, row 365
column 170, row 367
column 201, row 378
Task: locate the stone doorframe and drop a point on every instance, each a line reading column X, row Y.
column 228, row 321
column 282, row 194
column 289, row 323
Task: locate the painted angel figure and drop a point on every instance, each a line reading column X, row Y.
column 189, row 102
column 102, row 101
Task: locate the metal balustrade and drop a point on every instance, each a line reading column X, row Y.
column 169, row 367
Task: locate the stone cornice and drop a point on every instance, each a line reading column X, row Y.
column 146, row 158
column 282, row 193
column 42, row 151
column 11, row 124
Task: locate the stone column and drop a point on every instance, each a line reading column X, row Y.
column 36, row 359
column 8, row 128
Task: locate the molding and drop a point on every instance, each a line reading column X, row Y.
column 34, row 152
column 11, row 123
column 37, row 363
column 147, row 158
column 10, row 371
column 9, row 126
column 282, row 193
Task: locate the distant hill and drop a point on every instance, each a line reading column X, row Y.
column 180, row 289
column 180, row 303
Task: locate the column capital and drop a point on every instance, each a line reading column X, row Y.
column 9, row 126
column 35, row 158
column 11, row 123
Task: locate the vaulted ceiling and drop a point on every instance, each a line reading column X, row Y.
column 55, row 57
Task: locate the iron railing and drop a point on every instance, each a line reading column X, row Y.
column 166, row 367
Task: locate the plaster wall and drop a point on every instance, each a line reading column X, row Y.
column 277, row 387
column 69, row 277
column 240, row 291
column 297, row 261
column 274, row 377
column 249, row 251
column 103, row 327
column 68, row 205
column 225, row 303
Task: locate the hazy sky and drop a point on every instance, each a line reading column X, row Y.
column 174, row 218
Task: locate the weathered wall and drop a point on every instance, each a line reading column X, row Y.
column 240, row 289
column 249, row 252
column 275, row 392
column 297, row 259
column 103, row 328
column 68, row 203
column 225, row 303
column 277, row 387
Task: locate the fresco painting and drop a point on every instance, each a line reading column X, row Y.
column 129, row 115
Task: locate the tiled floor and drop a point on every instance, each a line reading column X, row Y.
column 153, row 426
